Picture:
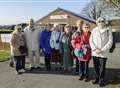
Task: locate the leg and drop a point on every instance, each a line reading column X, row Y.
column 31, row 58
column 97, row 69
column 102, row 71
column 37, row 58
column 18, row 64
column 81, row 70
column 47, row 61
column 77, row 65
column 86, row 72
column 23, row 62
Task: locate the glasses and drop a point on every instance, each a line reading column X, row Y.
column 86, row 27
column 101, row 21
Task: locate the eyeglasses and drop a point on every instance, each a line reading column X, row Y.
column 101, row 21
column 86, row 27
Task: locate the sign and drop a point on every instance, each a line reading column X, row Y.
column 59, row 17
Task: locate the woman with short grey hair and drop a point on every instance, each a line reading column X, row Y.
column 18, row 48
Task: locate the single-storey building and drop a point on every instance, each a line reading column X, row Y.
column 63, row 17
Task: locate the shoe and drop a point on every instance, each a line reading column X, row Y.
column 81, row 78
column 87, row 80
column 96, row 81
column 101, row 83
column 18, row 73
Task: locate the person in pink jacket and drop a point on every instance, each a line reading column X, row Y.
column 82, row 50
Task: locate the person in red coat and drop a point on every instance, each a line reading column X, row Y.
column 82, row 50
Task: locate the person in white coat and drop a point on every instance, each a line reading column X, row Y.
column 32, row 40
column 100, row 41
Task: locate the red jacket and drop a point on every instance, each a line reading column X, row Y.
column 77, row 43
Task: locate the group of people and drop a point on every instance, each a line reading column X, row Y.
column 63, row 47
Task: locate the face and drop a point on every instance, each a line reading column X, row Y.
column 67, row 30
column 19, row 29
column 101, row 24
column 31, row 23
column 86, row 28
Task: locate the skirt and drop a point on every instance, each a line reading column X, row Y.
column 56, row 56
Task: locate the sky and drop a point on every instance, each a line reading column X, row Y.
column 20, row 11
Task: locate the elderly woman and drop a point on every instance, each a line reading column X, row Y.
column 100, row 41
column 18, row 48
column 66, row 49
column 55, row 43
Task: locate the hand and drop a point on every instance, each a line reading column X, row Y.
column 98, row 51
column 43, row 49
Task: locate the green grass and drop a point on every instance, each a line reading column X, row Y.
column 5, row 31
column 4, row 55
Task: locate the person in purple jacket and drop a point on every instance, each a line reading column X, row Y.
column 45, row 45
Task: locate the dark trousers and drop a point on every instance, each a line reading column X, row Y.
column 20, row 62
column 100, row 67
column 48, row 61
column 84, row 69
column 77, row 65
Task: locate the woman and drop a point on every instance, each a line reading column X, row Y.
column 66, row 49
column 82, row 51
column 45, row 45
column 79, row 24
column 100, row 41
column 18, row 48
column 55, row 43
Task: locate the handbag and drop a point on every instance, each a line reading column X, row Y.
column 23, row 49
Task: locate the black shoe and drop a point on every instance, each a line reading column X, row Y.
column 101, row 83
column 87, row 79
column 96, row 81
column 81, row 78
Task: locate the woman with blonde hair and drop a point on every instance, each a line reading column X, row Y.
column 18, row 48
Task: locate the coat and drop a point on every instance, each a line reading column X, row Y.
column 32, row 38
column 66, row 51
column 102, row 39
column 17, row 40
column 79, row 41
column 55, row 36
column 45, row 41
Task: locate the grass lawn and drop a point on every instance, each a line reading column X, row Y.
column 4, row 55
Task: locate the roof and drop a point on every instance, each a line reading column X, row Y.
column 72, row 13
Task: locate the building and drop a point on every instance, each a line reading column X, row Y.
column 63, row 17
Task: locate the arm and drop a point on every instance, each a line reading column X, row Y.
column 52, row 40
column 109, row 43
column 91, row 41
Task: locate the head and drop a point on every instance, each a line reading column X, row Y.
column 49, row 27
column 67, row 29
column 18, row 28
column 86, row 27
column 31, row 23
column 101, row 22
column 77, row 34
column 56, row 27
column 79, row 24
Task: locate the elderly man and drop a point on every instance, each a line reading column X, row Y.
column 100, row 41
column 32, row 40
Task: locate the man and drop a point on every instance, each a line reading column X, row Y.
column 32, row 40
column 100, row 41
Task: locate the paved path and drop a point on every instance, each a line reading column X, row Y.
column 42, row 79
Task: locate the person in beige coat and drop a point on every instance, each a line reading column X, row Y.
column 100, row 41
column 18, row 48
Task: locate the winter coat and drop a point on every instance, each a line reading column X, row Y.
column 102, row 39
